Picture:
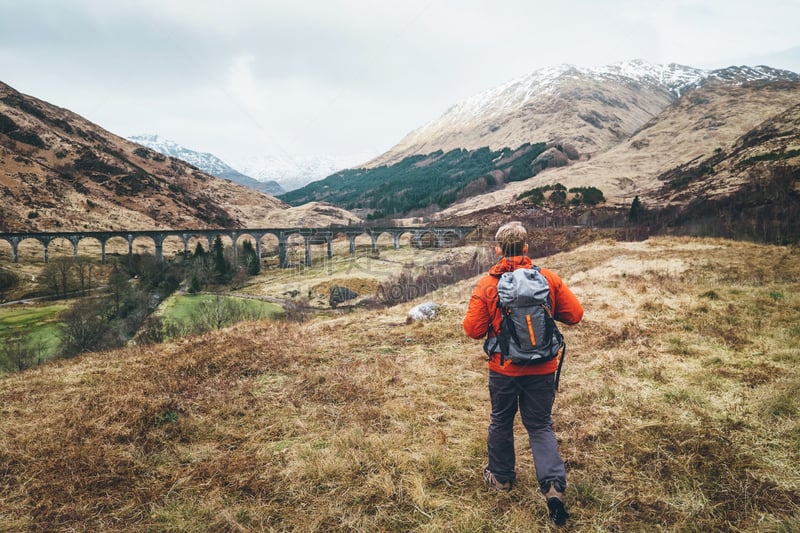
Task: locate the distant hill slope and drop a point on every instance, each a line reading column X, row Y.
column 59, row 171
column 206, row 162
column 419, row 181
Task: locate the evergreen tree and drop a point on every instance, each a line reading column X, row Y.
column 8, row 280
column 195, row 286
column 249, row 258
column 636, row 211
column 587, row 196
column 558, row 197
column 222, row 269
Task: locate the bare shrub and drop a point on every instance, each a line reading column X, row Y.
column 297, row 310
column 19, row 352
column 83, row 327
column 59, row 276
column 153, row 331
column 220, row 312
column 409, row 285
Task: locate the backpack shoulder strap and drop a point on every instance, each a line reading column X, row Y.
column 494, row 343
column 489, row 347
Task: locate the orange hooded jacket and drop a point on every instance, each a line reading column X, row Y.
column 482, row 312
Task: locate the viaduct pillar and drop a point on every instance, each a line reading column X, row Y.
column 283, row 260
column 158, row 240
column 103, row 251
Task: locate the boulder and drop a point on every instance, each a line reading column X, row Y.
column 423, row 311
column 339, row 294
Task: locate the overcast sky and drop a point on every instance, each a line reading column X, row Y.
column 345, row 78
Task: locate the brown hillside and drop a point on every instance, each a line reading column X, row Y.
column 59, row 171
column 761, row 155
column 678, row 412
column 716, row 120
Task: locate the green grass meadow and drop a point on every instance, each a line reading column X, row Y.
column 38, row 323
column 182, row 309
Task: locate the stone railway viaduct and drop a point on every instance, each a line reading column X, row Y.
column 420, row 237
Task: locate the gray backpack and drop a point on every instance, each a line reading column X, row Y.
column 528, row 334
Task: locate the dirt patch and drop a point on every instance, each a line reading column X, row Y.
column 364, row 287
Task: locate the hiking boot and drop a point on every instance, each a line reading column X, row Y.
column 556, row 511
column 489, row 478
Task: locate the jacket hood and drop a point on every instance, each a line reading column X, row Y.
column 507, row 264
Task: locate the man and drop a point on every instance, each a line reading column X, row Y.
column 529, row 388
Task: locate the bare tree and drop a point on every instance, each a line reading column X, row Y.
column 58, row 275
column 220, row 312
column 118, row 289
column 82, row 327
column 84, row 268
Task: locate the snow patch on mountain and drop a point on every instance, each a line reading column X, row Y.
column 672, row 78
column 202, row 160
column 744, row 74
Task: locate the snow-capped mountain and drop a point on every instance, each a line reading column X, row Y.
column 673, row 78
column 592, row 108
column 206, row 162
column 295, row 172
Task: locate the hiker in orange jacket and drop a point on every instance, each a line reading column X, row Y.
column 528, row 388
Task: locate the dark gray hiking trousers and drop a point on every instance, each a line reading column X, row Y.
column 533, row 396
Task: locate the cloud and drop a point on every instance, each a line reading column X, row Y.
column 342, row 75
column 242, row 84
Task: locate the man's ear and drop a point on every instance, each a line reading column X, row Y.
column 525, row 249
column 498, row 251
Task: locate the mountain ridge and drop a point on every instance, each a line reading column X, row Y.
column 526, row 109
column 207, row 162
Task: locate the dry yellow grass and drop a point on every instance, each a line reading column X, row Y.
column 678, row 412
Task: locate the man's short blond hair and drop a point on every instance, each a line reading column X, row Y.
column 511, row 238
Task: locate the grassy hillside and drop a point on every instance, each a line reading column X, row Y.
column 678, row 411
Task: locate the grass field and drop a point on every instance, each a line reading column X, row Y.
column 679, row 410
column 181, row 308
column 37, row 322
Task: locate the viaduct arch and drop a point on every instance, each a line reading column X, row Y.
column 438, row 237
